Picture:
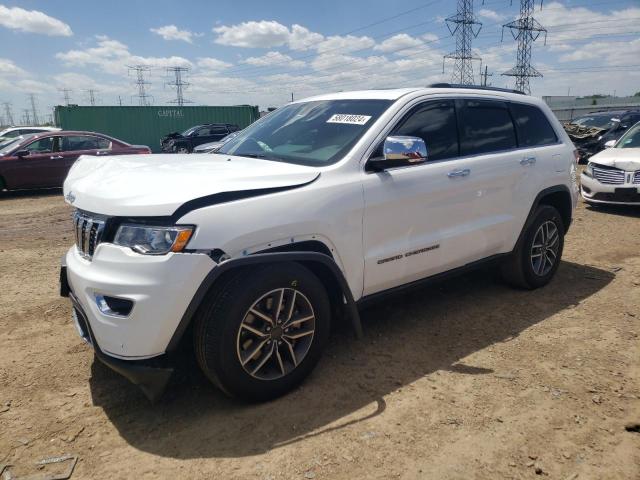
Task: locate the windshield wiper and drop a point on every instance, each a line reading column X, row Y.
column 251, row 155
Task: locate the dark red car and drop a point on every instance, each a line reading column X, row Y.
column 43, row 159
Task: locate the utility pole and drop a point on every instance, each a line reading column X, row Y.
column 179, row 84
column 525, row 30
column 119, row 100
column 67, row 95
column 34, row 112
column 484, row 76
column 8, row 113
column 464, row 26
column 144, row 99
column 292, row 96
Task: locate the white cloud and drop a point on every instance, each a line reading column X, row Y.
column 302, row 38
column 488, row 14
column 263, row 34
column 345, row 44
column 213, row 64
column 33, row 21
column 616, row 54
column 171, row 32
column 274, row 58
column 397, row 42
column 113, row 57
column 8, row 68
column 430, row 37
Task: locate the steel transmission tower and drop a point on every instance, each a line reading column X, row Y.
column 464, row 26
column 34, row 111
column 144, row 99
column 67, row 95
column 8, row 114
column 25, row 117
column 179, row 84
column 92, row 96
column 525, row 30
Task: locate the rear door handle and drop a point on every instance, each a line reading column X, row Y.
column 528, row 161
column 56, row 157
column 459, row 173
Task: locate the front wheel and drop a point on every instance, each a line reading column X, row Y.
column 180, row 149
column 263, row 331
column 535, row 261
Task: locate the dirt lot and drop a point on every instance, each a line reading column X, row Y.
column 467, row 379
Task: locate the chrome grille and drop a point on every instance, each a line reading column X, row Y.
column 612, row 176
column 88, row 232
column 636, row 177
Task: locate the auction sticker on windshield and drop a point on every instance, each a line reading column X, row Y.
column 349, row 118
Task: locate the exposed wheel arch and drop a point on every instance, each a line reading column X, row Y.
column 321, row 264
column 3, row 183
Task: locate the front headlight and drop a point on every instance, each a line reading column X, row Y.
column 151, row 240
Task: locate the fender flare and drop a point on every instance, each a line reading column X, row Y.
column 261, row 258
column 536, row 202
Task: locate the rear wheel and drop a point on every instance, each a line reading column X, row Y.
column 180, row 149
column 263, row 331
column 535, row 261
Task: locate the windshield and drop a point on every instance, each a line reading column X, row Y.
column 314, row 133
column 8, row 145
column 189, row 131
column 631, row 139
column 599, row 121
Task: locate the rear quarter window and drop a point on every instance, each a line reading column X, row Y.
column 532, row 126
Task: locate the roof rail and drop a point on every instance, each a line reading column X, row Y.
column 474, row 87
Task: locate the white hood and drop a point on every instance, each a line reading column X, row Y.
column 627, row 159
column 156, row 185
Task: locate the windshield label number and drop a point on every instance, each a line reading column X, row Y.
column 349, row 119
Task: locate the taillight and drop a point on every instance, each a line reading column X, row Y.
column 576, row 155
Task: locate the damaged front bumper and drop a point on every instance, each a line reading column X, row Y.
column 149, row 375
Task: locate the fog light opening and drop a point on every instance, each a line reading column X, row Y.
column 114, row 306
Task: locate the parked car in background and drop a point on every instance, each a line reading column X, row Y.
column 13, row 132
column 589, row 133
column 186, row 141
column 214, row 146
column 42, row 160
column 613, row 175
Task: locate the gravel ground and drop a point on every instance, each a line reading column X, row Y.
column 465, row 379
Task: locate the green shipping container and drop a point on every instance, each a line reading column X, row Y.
column 147, row 125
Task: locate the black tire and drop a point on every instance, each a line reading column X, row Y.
column 181, row 149
column 521, row 269
column 218, row 331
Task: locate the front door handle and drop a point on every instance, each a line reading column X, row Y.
column 56, row 157
column 528, row 161
column 459, row 173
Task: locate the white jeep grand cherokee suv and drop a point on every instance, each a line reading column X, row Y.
column 324, row 204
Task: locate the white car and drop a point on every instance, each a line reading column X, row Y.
column 324, row 205
column 13, row 132
column 613, row 175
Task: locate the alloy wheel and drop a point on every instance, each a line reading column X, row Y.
column 275, row 334
column 544, row 250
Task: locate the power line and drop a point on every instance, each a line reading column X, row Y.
column 179, row 84
column 525, row 30
column 144, row 99
column 464, row 26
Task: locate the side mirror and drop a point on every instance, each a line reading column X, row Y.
column 399, row 151
column 22, row 153
column 610, row 144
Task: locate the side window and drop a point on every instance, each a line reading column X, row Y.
column 219, row 130
column 485, row 126
column 104, row 143
column 25, row 131
column 532, row 126
column 44, row 145
column 78, row 142
column 203, row 132
column 435, row 123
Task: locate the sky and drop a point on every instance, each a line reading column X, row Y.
column 262, row 53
